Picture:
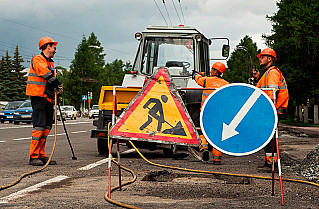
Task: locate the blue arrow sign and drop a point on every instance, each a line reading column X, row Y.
column 84, row 97
column 238, row 119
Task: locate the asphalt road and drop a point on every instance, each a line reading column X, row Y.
column 82, row 183
column 38, row 190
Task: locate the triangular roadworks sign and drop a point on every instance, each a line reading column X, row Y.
column 157, row 114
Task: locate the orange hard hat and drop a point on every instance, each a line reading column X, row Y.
column 268, row 52
column 219, row 66
column 46, row 40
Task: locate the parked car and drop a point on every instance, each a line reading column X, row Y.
column 94, row 112
column 8, row 110
column 68, row 112
column 23, row 113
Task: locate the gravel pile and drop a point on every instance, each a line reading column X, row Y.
column 309, row 166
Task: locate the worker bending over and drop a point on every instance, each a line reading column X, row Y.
column 40, row 87
column 214, row 81
column 272, row 78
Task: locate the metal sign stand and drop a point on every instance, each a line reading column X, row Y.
column 278, row 156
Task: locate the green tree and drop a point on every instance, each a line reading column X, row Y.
column 19, row 77
column 6, row 78
column 85, row 70
column 295, row 39
column 241, row 61
column 115, row 71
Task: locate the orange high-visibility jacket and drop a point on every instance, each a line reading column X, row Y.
column 41, row 78
column 209, row 82
column 273, row 78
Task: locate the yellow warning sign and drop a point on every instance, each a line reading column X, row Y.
column 156, row 114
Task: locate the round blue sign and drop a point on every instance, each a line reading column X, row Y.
column 238, row 119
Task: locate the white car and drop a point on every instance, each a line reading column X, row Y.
column 68, row 112
column 94, row 112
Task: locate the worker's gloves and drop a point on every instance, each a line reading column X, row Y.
column 194, row 74
column 60, row 89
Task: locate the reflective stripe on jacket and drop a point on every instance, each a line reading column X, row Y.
column 273, row 78
column 209, row 82
column 41, row 78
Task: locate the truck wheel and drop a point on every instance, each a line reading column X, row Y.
column 2, row 121
column 194, row 112
column 168, row 152
column 16, row 122
column 102, row 146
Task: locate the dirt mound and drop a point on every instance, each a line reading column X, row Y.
column 309, row 166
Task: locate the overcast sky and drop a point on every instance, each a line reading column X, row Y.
column 114, row 22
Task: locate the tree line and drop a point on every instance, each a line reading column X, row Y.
column 295, row 29
column 88, row 72
column 12, row 77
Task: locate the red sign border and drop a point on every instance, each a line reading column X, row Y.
column 114, row 133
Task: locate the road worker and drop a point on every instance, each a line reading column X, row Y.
column 272, row 78
column 214, row 81
column 41, row 85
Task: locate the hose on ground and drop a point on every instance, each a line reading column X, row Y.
column 188, row 170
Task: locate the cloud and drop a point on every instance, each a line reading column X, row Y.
column 115, row 22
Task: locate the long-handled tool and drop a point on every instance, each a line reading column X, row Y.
column 67, row 135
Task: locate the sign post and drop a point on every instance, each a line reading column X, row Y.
column 240, row 119
column 84, row 97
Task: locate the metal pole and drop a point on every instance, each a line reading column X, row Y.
column 279, row 169
column 114, row 114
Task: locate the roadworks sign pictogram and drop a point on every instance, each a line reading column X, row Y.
column 157, row 114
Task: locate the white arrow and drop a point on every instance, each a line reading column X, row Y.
column 229, row 130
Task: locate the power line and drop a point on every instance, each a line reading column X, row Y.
column 181, row 10
column 53, row 33
column 160, row 12
column 167, row 12
column 177, row 12
column 39, row 29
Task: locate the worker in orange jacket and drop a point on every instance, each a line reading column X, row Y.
column 41, row 85
column 272, row 78
column 214, row 81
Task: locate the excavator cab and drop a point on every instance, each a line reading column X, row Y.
column 180, row 49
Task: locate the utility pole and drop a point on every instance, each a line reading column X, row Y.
column 250, row 65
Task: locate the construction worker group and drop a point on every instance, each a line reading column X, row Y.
column 272, row 78
column 42, row 84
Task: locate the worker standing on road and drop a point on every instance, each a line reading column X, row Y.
column 272, row 78
column 214, row 81
column 40, row 87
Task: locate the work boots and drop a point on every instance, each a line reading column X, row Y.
column 35, row 162
column 205, row 155
column 45, row 160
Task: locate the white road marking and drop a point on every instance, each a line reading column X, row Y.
column 76, row 132
column 30, row 126
column 12, row 127
column 88, row 167
column 23, row 192
column 22, row 139
column 2, row 141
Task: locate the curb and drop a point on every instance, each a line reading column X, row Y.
column 310, row 131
